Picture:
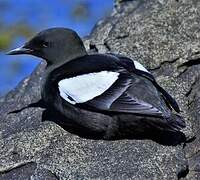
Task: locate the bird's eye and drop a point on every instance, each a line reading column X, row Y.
column 45, row 44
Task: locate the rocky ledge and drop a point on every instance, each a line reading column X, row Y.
column 164, row 35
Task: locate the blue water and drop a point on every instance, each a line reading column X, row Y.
column 39, row 15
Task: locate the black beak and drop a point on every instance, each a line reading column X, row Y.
column 20, row 50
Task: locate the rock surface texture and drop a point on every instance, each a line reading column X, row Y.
column 164, row 35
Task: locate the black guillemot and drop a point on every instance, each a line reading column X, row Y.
column 105, row 94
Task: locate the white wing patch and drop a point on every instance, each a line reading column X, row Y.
column 82, row 88
column 140, row 66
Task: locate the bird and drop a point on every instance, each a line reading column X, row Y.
column 106, row 95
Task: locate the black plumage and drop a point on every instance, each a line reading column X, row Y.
column 130, row 102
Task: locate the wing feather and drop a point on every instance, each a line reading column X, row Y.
column 137, row 68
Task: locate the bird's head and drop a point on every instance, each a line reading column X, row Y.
column 55, row 45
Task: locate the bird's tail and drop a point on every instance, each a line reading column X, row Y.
column 176, row 122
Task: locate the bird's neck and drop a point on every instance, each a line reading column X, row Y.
column 51, row 67
column 47, row 77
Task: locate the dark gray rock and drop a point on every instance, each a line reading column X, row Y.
column 27, row 171
column 162, row 34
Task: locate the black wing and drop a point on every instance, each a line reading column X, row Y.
column 128, row 63
column 130, row 93
column 120, row 98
